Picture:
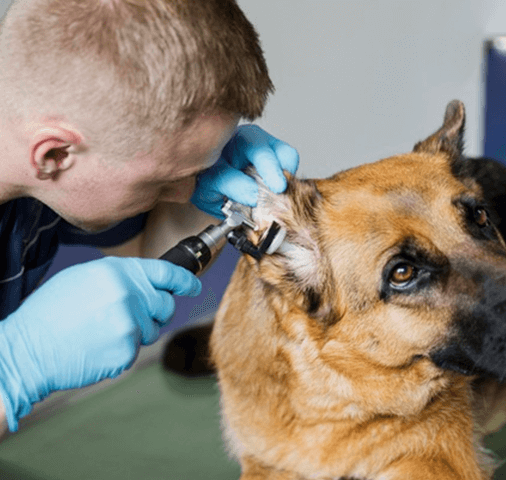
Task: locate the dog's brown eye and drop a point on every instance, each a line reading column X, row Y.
column 402, row 274
column 481, row 217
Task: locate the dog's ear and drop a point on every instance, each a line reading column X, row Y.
column 299, row 264
column 450, row 137
column 295, row 211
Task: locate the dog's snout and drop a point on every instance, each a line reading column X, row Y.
column 477, row 344
column 453, row 357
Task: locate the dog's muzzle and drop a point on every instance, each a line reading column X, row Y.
column 477, row 344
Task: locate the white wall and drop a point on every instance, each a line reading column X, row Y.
column 4, row 4
column 358, row 80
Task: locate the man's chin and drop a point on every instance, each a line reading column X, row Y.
column 97, row 229
column 90, row 227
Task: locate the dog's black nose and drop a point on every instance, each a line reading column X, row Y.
column 454, row 358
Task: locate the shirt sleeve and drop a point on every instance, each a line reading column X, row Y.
column 116, row 235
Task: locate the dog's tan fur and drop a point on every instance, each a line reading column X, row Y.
column 323, row 379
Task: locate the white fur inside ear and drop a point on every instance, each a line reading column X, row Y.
column 300, row 250
column 270, row 208
column 303, row 262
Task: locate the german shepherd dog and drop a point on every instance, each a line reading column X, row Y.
column 373, row 343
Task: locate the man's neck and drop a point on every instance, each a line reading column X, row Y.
column 8, row 193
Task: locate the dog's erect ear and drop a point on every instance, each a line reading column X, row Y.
column 300, row 260
column 450, row 137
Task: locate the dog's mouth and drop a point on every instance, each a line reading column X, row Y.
column 454, row 358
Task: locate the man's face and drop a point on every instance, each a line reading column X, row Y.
column 97, row 194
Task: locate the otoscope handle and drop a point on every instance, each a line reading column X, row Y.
column 191, row 253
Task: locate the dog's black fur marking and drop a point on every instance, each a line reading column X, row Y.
column 491, row 176
column 478, row 344
column 469, row 206
column 313, row 301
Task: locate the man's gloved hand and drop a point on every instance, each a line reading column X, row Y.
column 83, row 325
column 249, row 146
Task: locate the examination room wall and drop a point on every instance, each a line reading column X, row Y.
column 358, row 80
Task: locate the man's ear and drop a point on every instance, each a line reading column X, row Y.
column 49, row 150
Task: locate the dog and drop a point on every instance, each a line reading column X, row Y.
column 372, row 345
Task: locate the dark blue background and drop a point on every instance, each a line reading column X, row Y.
column 495, row 103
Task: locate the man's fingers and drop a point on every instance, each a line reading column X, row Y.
column 234, row 184
column 167, row 276
column 162, row 307
column 270, row 156
column 288, row 156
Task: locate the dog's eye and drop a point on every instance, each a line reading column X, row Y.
column 402, row 274
column 481, row 217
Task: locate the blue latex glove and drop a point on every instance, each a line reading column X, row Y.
column 249, row 146
column 83, row 325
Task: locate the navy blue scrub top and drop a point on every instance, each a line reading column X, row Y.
column 30, row 233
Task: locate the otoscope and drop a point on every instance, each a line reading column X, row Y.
column 194, row 253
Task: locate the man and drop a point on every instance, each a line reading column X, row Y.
column 108, row 109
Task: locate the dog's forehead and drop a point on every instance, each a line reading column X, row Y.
column 383, row 203
column 405, row 184
column 409, row 172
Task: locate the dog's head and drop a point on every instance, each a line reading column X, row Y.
column 399, row 261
